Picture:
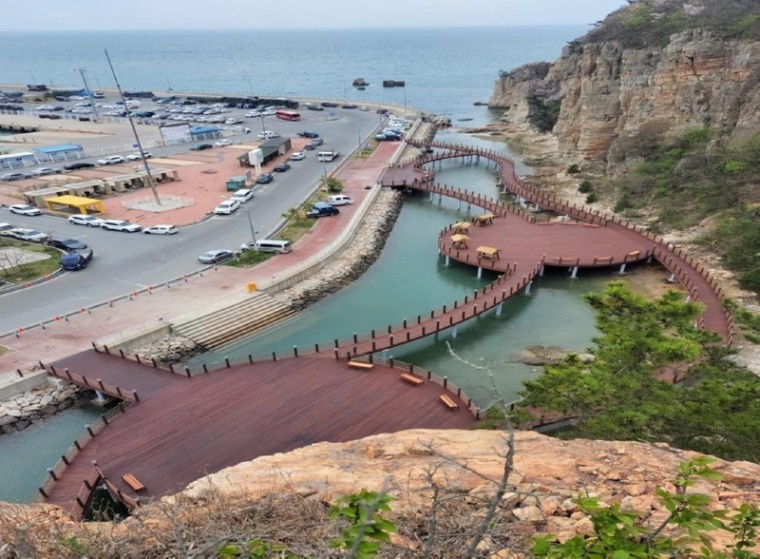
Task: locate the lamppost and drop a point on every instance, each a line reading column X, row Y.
column 250, row 85
column 151, row 182
column 250, row 224
column 263, row 129
column 89, row 92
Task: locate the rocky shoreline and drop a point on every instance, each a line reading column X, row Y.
column 40, row 403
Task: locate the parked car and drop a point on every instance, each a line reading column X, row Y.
column 5, row 227
column 297, row 156
column 322, row 209
column 339, row 200
column 120, row 225
column 329, row 104
column 349, row 106
column 309, row 135
column 215, row 256
column 227, row 207
column 201, row 147
column 42, row 171
column 24, row 209
column 264, row 178
column 315, row 143
column 13, row 176
column 76, row 260
column 111, row 160
column 67, row 244
column 160, row 230
column 78, row 165
column 23, row 234
column 84, row 219
column 224, row 142
column 136, row 156
column 243, row 195
column 281, row 168
column 268, row 135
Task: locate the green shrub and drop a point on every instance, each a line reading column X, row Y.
column 591, row 198
column 573, row 169
column 585, row 187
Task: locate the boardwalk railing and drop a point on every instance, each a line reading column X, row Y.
column 54, row 473
column 512, row 183
column 95, row 384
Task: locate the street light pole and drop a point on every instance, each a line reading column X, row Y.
column 263, row 129
column 151, row 182
column 250, row 224
column 89, row 93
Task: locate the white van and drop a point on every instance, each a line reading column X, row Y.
column 268, row 245
column 339, row 200
column 327, row 156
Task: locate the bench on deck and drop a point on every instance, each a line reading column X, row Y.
column 411, row 379
column 448, row 402
column 360, row 365
column 133, row 482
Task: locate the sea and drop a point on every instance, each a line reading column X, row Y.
column 445, row 70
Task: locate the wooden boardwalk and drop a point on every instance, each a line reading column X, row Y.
column 184, row 428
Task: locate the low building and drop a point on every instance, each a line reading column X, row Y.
column 60, row 152
column 18, row 160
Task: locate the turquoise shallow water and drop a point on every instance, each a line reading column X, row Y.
column 25, row 455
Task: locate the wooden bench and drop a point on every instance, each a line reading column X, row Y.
column 448, row 402
column 360, row 365
column 133, row 482
column 411, row 379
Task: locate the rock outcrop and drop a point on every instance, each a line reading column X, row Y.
column 609, row 92
column 466, row 465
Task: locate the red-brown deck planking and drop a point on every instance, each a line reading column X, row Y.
column 183, row 429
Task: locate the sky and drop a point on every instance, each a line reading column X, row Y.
column 74, row 15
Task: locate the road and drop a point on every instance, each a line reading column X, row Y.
column 124, row 262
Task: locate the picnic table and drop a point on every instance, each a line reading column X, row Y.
column 461, row 227
column 459, row 240
column 483, row 219
column 487, row 252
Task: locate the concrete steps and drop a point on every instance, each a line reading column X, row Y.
column 232, row 322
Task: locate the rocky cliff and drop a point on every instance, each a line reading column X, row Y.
column 606, row 88
column 283, row 497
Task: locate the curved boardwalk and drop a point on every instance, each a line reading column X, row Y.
column 181, row 429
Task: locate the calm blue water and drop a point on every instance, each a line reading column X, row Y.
column 445, row 70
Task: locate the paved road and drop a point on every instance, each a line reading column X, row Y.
column 124, row 262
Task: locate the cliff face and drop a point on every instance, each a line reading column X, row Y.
column 466, row 466
column 609, row 93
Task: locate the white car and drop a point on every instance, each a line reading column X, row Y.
column 220, row 143
column 84, row 219
column 111, row 160
column 120, row 225
column 160, row 230
column 24, row 209
column 24, row 234
column 227, row 207
column 253, row 114
column 42, row 171
column 136, row 156
column 232, row 120
column 297, row 156
column 268, row 135
column 243, row 195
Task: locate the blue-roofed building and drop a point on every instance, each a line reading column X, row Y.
column 60, row 152
column 205, row 132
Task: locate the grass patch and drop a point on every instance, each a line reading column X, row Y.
column 3, row 350
column 33, row 270
column 249, row 258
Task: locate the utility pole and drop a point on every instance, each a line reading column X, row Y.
column 151, row 182
column 89, row 93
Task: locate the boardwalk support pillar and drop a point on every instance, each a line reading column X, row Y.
column 480, row 272
column 574, row 272
column 541, row 271
column 448, row 261
column 527, row 287
column 100, row 396
column 498, row 309
column 672, row 278
column 622, row 268
column 454, row 332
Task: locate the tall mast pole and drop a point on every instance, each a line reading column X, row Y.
column 151, row 182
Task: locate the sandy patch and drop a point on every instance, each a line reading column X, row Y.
column 11, row 257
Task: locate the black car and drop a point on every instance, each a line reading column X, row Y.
column 322, row 209
column 264, row 178
column 349, row 106
column 201, row 147
column 329, row 104
column 308, row 134
column 281, row 168
column 78, row 165
column 76, row 260
column 67, row 244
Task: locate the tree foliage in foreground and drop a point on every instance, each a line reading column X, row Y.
column 627, row 393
